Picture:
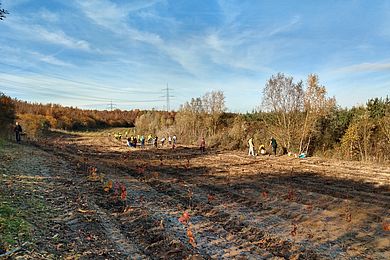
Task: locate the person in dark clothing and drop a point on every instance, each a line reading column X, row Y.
column 18, row 131
column 202, row 145
column 155, row 141
column 274, row 145
column 135, row 142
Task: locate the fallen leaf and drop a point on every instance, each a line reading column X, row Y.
column 386, row 226
column 86, row 211
column 108, row 186
column 294, row 231
column 210, row 197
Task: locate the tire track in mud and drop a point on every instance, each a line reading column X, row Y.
column 218, row 224
column 230, row 220
column 169, row 199
column 66, row 228
column 271, row 221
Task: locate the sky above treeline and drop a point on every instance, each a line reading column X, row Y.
column 91, row 53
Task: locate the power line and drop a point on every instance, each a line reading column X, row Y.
column 111, row 105
column 57, row 76
column 167, row 96
column 48, row 91
column 55, row 93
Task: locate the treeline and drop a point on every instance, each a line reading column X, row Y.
column 37, row 118
column 300, row 115
column 7, row 114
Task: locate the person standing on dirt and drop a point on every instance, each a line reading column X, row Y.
column 202, row 145
column 18, row 131
column 142, row 141
column 274, row 145
column 155, row 141
column 251, row 147
column 174, row 142
column 169, row 140
column 135, row 142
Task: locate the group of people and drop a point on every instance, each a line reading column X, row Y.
column 262, row 150
column 132, row 141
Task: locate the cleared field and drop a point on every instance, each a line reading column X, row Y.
column 239, row 207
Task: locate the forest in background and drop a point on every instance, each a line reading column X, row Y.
column 300, row 115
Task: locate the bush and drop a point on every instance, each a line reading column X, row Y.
column 34, row 125
column 7, row 114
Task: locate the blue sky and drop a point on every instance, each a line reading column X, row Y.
column 86, row 53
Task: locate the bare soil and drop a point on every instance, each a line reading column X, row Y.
column 239, row 207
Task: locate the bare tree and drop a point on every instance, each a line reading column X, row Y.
column 284, row 99
column 315, row 105
column 214, row 106
column 199, row 117
column 214, row 102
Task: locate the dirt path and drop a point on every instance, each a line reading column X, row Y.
column 65, row 220
column 239, row 207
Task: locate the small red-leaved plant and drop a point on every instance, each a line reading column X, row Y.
column 184, row 218
column 191, row 238
column 123, row 192
column 386, row 226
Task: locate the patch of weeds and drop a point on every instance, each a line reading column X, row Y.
column 14, row 229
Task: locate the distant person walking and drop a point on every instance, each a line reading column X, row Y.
column 274, row 145
column 202, row 145
column 18, row 131
column 174, row 142
column 155, row 141
column 251, row 147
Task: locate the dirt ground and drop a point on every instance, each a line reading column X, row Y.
column 181, row 204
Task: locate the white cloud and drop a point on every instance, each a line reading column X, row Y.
column 23, row 27
column 364, row 67
column 9, row 4
column 48, row 16
column 51, row 59
column 290, row 25
column 113, row 17
column 60, row 38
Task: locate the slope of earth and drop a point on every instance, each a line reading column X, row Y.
column 177, row 204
